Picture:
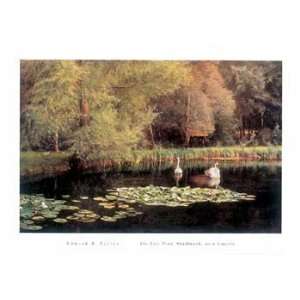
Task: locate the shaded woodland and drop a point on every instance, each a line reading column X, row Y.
column 90, row 107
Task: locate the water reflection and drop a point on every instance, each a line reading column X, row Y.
column 204, row 181
column 178, row 178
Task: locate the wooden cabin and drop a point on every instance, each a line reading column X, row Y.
column 201, row 135
column 198, row 118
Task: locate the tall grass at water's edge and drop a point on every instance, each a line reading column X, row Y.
column 35, row 163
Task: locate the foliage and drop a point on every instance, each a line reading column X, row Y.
column 277, row 135
column 257, row 89
column 110, row 108
column 203, row 105
column 118, row 96
column 220, row 99
column 52, row 108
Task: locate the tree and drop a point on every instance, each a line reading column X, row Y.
column 257, row 89
column 96, row 106
column 52, row 100
column 219, row 98
column 203, row 107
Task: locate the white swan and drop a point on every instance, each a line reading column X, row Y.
column 178, row 170
column 213, row 172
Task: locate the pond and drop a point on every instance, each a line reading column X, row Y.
column 88, row 202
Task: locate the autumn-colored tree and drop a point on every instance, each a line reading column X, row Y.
column 204, row 107
column 208, row 78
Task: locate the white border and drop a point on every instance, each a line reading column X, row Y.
column 42, row 265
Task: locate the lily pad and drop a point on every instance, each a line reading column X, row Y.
column 26, row 212
column 30, row 227
column 109, row 206
column 60, row 220
column 87, row 220
column 70, row 208
column 38, row 218
column 57, row 202
column 75, row 201
column 111, row 197
column 85, row 211
column 83, row 216
column 28, row 222
column 72, row 218
column 108, row 219
column 50, row 215
column 92, row 216
column 100, row 199
column 123, row 206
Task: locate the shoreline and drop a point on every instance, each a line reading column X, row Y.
column 49, row 164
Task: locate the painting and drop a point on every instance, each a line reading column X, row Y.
column 150, row 146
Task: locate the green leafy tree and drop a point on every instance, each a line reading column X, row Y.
column 52, row 107
column 257, row 89
column 95, row 106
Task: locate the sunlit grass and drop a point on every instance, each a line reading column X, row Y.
column 32, row 163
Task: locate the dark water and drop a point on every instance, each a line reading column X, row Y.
column 260, row 216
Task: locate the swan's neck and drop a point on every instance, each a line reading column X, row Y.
column 178, row 161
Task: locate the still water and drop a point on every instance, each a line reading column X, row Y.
column 260, row 216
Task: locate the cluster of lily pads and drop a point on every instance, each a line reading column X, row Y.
column 35, row 209
column 121, row 209
column 118, row 203
column 175, row 196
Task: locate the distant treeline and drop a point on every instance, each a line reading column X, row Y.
column 89, row 107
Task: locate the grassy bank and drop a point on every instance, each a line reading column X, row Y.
column 39, row 163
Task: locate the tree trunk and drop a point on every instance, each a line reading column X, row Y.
column 262, row 120
column 244, row 126
column 241, row 128
column 84, row 112
column 151, row 135
column 187, row 119
column 84, row 108
column 56, row 147
column 187, row 138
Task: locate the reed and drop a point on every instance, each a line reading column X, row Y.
column 147, row 160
